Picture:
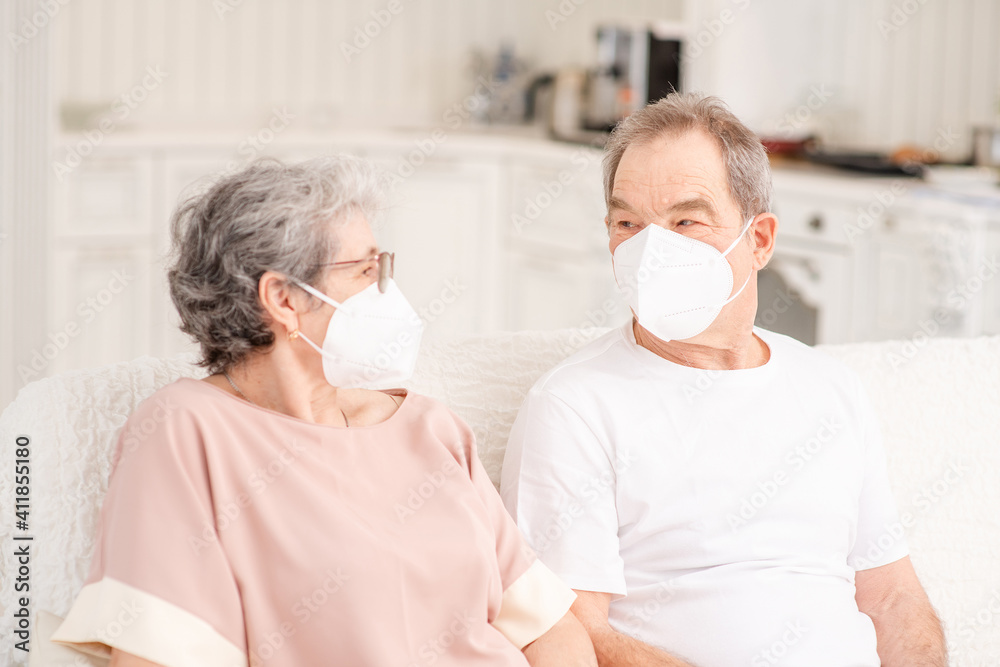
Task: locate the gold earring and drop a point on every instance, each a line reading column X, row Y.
column 292, row 335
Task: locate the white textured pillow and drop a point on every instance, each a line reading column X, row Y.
column 939, row 406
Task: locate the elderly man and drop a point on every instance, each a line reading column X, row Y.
column 715, row 493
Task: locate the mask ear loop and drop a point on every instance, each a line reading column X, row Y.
column 739, row 291
column 316, row 293
column 740, row 237
column 728, row 250
column 322, row 297
column 314, row 345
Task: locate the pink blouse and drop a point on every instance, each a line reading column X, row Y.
column 231, row 534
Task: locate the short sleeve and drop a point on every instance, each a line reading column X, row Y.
column 559, row 484
column 160, row 585
column 881, row 538
column 534, row 598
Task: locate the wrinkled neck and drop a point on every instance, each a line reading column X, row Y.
column 733, row 351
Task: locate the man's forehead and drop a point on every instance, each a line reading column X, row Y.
column 665, row 189
column 671, row 157
column 683, row 172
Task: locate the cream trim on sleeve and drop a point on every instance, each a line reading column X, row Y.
column 532, row 605
column 110, row 613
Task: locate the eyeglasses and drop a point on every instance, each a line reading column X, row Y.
column 386, row 264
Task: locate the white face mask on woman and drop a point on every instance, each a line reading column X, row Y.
column 675, row 285
column 372, row 339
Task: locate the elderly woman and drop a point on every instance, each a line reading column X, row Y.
column 264, row 514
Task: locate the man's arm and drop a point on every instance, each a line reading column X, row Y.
column 565, row 643
column 613, row 648
column 908, row 631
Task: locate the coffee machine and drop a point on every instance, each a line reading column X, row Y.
column 635, row 66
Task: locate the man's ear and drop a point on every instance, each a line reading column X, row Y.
column 281, row 300
column 763, row 233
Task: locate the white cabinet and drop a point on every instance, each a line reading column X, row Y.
column 559, row 204
column 910, row 270
column 558, row 271
column 489, row 235
column 805, row 292
column 442, row 228
column 105, row 196
column 894, row 281
column 811, row 218
column 988, row 274
column 549, row 293
column 101, row 270
column 879, row 258
column 102, row 306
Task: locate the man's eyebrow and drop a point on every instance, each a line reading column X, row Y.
column 690, row 205
column 693, row 204
column 616, row 202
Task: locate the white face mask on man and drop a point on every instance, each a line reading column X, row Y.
column 372, row 339
column 675, row 285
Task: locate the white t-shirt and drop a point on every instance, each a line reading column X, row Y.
column 726, row 511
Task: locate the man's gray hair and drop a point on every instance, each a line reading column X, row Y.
column 268, row 216
column 745, row 159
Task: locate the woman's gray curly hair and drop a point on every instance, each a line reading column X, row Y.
column 268, row 216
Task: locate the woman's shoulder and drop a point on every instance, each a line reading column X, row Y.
column 167, row 426
column 430, row 416
column 425, row 408
column 184, row 406
column 177, row 398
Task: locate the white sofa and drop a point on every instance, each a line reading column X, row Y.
column 939, row 402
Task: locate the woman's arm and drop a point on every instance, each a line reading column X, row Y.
column 565, row 643
column 123, row 659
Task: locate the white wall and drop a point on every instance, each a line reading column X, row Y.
column 230, row 61
column 887, row 72
column 25, row 203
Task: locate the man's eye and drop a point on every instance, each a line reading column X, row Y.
column 686, row 223
column 625, row 224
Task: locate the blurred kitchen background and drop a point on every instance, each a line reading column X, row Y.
column 881, row 117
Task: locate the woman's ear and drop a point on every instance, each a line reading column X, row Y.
column 281, row 300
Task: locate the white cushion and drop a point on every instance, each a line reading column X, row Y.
column 940, row 410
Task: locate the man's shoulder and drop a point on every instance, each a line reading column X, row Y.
column 798, row 358
column 589, row 367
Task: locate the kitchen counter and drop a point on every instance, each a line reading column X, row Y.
column 465, row 141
